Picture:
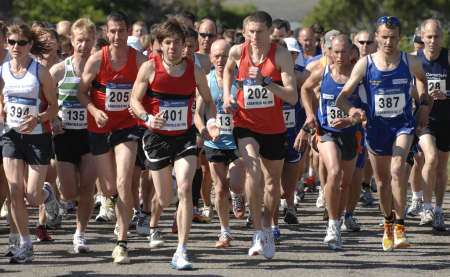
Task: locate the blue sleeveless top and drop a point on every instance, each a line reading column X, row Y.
column 327, row 112
column 226, row 139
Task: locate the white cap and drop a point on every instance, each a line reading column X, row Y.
column 292, row 44
column 135, row 43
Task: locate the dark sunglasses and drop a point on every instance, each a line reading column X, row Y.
column 390, row 21
column 365, row 42
column 13, row 42
column 204, row 35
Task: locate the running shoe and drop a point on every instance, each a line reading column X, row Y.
column 134, row 218
column 238, row 205
column 155, row 239
column 333, row 237
column 120, row 255
column 198, row 217
column 276, row 234
column 208, row 212
column 351, row 224
column 79, row 244
column 426, row 217
column 415, row 208
column 13, row 245
column 4, row 211
column 24, row 254
column 269, row 243
column 117, row 230
column 388, row 237
column 42, row 234
column 106, row 212
column 249, row 221
column 257, row 244
column 52, row 207
column 180, row 261
column 290, row 217
column 366, row 198
column 400, row 240
column 143, row 224
column 224, row 240
column 320, row 202
column 439, row 222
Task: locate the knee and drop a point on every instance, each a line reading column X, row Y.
column 334, row 173
column 432, row 161
column 184, row 191
column 221, row 189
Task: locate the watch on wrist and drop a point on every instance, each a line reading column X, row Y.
column 39, row 119
column 143, row 117
column 266, row 81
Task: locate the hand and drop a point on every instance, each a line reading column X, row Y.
column 255, row 73
column 57, row 126
column 359, row 115
column 229, row 105
column 438, row 95
column 311, row 121
column 301, row 141
column 205, row 134
column 157, row 121
column 341, row 123
column 130, row 110
column 213, row 130
column 28, row 124
column 101, row 118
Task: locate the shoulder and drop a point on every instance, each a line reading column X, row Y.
column 236, row 51
column 58, row 70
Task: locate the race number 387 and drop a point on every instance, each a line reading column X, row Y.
column 389, row 105
column 257, row 96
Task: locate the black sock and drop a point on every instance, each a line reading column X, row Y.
column 389, row 218
column 114, row 198
column 122, row 243
column 196, row 187
column 400, row 222
column 365, row 186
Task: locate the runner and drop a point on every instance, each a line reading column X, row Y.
column 266, row 73
column 387, row 79
column 112, row 130
column 337, row 140
column 30, row 104
column 225, row 166
column 162, row 97
column 76, row 172
column 435, row 141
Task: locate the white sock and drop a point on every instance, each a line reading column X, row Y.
column 417, row 194
column 427, row 206
column 224, row 229
column 310, row 171
column 25, row 241
column 275, row 227
column 333, row 222
column 78, row 233
column 181, row 248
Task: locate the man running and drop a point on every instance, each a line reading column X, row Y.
column 266, row 77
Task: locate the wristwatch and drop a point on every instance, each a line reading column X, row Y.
column 143, row 117
column 266, row 81
column 39, row 119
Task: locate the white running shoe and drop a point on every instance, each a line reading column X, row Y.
column 333, row 238
column 180, row 261
column 143, row 225
column 269, row 244
column 257, row 244
column 79, row 244
column 155, row 239
column 320, row 202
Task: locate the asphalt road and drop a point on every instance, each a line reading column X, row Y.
column 301, row 252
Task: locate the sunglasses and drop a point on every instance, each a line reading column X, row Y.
column 13, row 42
column 390, row 21
column 209, row 35
column 365, row 42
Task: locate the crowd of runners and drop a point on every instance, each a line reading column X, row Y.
column 130, row 121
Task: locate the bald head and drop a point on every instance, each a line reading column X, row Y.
column 308, row 41
column 63, row 28
column 219, row 54
column 430, row 23
column 341, row 49
column 207, row 32
column 431, row 35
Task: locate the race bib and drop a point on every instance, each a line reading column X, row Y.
column 437, row 85
column 117, row 97
column 289, row 117
column 18, row 108
column 334, row 113
column 389, row 105
column 257, row 96
column 175, row 114
column 225, row 122
column 73, row 115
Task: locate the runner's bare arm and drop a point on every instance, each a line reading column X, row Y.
column 205, row 93
column 288, row 91
column 358, row 72
column 140, row 87
column 57, row 71
column 233, row 58
column 90, row 71
column 424, row 98
column 49, row 91
column 307, row 96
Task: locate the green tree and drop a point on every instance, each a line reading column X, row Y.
column 350, row 16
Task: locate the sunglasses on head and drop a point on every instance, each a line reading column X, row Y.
column 209, row 35
column 365, row 42
column 13, row 42
column 390, row 21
